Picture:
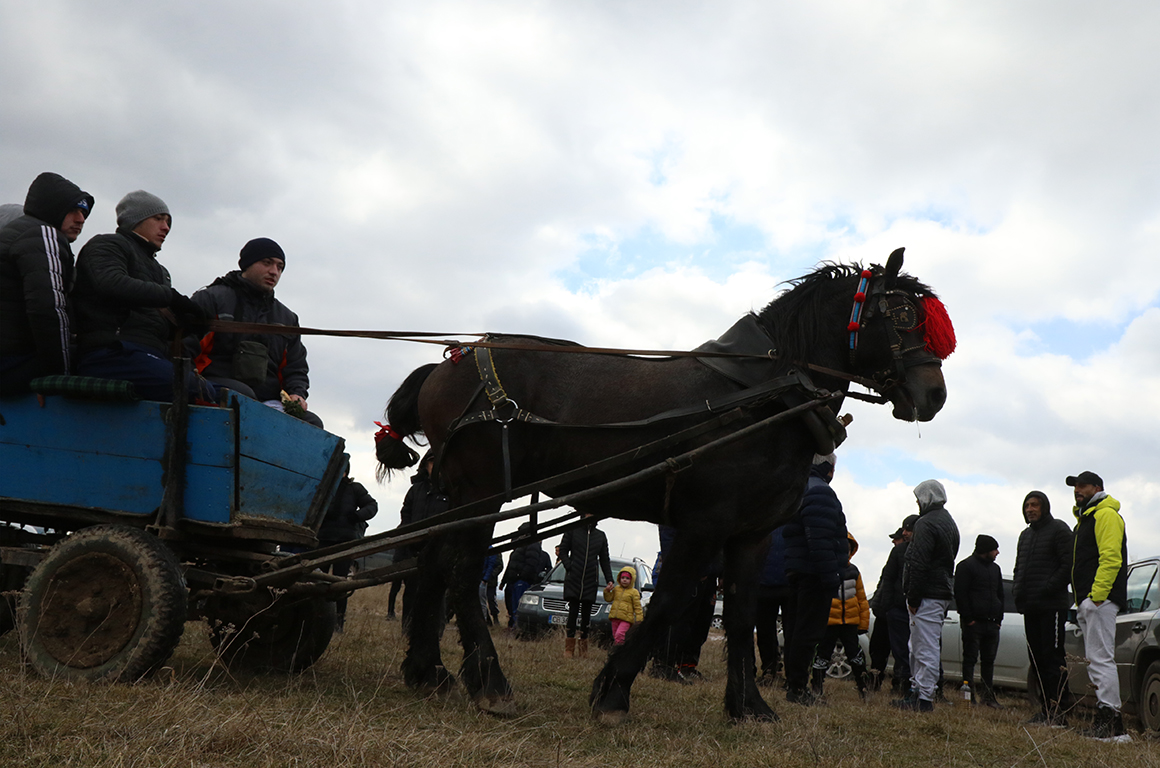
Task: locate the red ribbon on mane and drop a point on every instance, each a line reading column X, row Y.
column 386, row 431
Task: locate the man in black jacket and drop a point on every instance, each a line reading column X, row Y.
column 816, row 550
column 583, row 551
column 979, row 599
column 36, row 276
column 1042, row 574
column 127, row 310
column 889, row 606
column 928, row 583
column 259, row 366
column 346, row 520
column 525, row 566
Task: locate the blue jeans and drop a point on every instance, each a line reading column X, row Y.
column 151, row 374
column 513, row 595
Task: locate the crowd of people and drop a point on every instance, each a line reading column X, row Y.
column 809, row 579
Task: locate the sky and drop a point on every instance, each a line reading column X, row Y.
column 641, row 174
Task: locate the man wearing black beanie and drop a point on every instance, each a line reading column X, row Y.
column 259, row 366
column 36, row 276
column 1042, row 575
column 979, row 599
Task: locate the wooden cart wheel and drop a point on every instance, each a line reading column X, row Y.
column 267, row 633
column 107, row 603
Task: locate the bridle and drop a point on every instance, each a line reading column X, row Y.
column 877, row 296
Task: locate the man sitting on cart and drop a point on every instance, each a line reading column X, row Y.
column 259, row 366
column 127, row 311
column 36, row 275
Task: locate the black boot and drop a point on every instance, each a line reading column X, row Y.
column 817, row 681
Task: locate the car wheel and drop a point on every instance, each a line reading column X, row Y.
column 717, row 623
column 1149, row 708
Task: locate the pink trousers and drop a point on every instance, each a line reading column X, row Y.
column 619, row 630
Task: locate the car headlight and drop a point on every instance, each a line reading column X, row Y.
column 530, row 600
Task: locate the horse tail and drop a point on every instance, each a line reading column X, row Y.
column 403, row 421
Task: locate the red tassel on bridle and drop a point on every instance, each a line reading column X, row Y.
column 938, row 330
column 386, row 431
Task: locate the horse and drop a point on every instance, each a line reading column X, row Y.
column 559, row 412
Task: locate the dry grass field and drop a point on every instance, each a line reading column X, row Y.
column 351, row 709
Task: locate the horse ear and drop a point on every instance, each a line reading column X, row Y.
column 893, row 266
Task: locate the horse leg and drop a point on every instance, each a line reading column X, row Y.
column 684, row 563
column 422, row 667
column 743, row 559
column 480, row 674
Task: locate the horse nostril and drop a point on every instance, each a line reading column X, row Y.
column 938, row 397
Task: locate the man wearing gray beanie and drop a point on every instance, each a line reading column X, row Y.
column 258, row 365
column 127, row 310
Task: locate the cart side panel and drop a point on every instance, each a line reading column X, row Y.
column 211, row 465
column 281, row 464
column 70, row 452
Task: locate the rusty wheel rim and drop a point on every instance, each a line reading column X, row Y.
column 92, row 610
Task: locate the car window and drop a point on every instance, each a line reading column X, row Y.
column 1142, row 588
column 1009, row 596
column 557, row 574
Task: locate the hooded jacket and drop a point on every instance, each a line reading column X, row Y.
column 233, row 297
column 850, row 606
column 346, row 520
column 815, row 538
column 930, row 559
column 584, row 552
column 528, row 562
column 1043, row 562
column 625, row 600
column 979, row 589
column 1100, row 552
column 889, row 594
column 421, row 502
column 37, row 274
column 121, row 290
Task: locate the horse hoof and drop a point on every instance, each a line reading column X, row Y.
column 500, row 706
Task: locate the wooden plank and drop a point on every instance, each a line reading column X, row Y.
column 88, row 479
column 268, row 491
column 209, row 493
column 211, row 436
column 119, row 429
column 283, row 441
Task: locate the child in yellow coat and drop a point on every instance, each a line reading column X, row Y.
column 625, row 599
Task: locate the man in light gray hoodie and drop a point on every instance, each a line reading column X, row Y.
column 928, row 582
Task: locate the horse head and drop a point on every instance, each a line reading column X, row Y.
column 899, row 334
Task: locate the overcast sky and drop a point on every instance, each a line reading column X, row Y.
column 643, row 173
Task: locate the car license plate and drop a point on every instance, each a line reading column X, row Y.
column 557, row 619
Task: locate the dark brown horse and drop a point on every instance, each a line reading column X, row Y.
column 839, row 323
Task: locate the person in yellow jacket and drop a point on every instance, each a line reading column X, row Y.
column 625, row 599
column 849, row 617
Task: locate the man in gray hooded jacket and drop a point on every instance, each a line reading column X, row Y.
column 928, row 582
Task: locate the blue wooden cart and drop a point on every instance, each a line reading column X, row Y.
column 121, row 519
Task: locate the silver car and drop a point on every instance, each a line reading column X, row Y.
column 1137, row 650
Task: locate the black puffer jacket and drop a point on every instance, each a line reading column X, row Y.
column 121, row 290
column 232, row 297
column 815, row 538
column 347, row 517
column 1043, row 563
column 930, row 558
column 889, row 593
column 979, row 590
column 527, row 563
column 584, row 551
column 37, row 274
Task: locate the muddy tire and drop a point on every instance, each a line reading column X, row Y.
column 270, row 634
column 107, row 603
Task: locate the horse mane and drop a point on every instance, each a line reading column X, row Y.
column 817, row 304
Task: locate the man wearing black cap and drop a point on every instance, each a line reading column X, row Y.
column 1099, row 578
column 127, row 309
column 1042, row 575
column 889, row 605
column 979, row 599
column 260, row 366
column 36, row 276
